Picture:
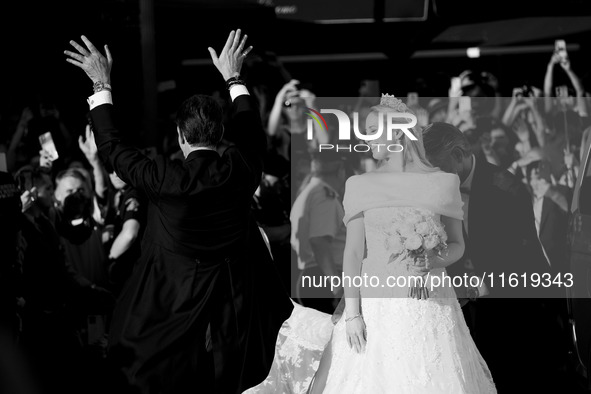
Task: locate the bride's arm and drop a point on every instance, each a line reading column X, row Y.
column 354, row 250
column 455, row 244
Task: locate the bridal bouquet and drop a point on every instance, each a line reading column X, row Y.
column 413, row 237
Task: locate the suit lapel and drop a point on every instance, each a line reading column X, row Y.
column 546, row 206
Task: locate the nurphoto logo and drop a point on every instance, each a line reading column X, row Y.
column 392, row 120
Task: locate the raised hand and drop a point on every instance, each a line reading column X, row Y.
column 229, row 62
column 521, row 130
column 88, row 145
column 516, row 93
column 89, row 59
column 308, row 97
column 554, row 59
column 28, row 198
column 289, row 87
column 26, row 116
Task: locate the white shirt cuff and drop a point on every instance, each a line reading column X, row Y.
column 237, row 90
column 100, row 98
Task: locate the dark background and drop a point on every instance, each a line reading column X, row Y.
column 416, row 55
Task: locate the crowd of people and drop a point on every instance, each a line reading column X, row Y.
column 72, row 237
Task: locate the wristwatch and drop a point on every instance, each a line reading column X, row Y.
column 100, row 86
column 235, row 80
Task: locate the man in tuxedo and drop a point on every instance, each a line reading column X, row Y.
column 204, row 267
column 507, row 325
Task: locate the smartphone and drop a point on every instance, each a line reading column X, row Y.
column 47, row 144
column 465, row 104
column 560, row 49
column 413, row 99
column 3, row 165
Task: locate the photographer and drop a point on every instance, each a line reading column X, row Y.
column 523, row 116
column 80, row 235
column 127, row 218
column 51, row 295
column 564, row 61
column 287, row 130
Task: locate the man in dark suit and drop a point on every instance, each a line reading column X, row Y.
column 550, row 206
column 501, row 239
column 204, row 267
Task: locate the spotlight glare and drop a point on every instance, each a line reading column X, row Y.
column 473, row 52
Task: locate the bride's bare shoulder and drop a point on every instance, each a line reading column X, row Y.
column 364, row 175
column 355, row 181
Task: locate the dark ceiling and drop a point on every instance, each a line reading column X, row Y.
column 35, row 33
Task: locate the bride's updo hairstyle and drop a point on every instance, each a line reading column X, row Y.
column 413, row 151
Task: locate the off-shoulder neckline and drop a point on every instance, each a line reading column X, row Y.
column 407, row 173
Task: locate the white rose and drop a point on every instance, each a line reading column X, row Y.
column 413, row 242
column 423, row 228
column 414, row 217
column 407, row 230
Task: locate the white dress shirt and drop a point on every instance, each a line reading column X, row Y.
column 538, row 203
column 105, row 97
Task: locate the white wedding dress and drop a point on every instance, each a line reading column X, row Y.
column 413, row 346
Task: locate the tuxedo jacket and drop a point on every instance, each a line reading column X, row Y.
column 200, row 206
column 502, row 237
column 203, row 262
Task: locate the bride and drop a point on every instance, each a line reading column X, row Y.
column 394, row 336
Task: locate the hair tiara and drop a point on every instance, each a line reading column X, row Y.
column 391, row 101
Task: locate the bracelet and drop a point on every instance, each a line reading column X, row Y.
column 353, row 317
column 233, row 81
column 99, row 86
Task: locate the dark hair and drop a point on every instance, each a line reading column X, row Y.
column 486, row 124
column 199, row 119
column 544, row 168
column 441, row 138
